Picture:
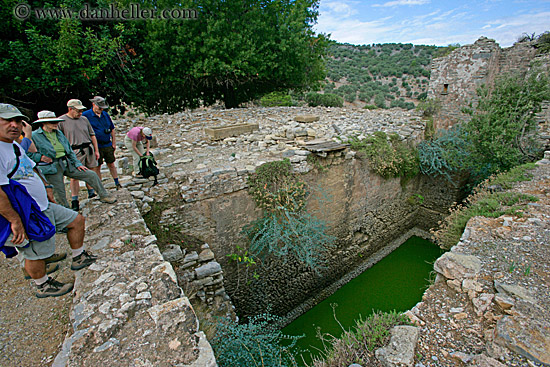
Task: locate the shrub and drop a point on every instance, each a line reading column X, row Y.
column 259, row 342
column 429, row 107
column 358, row 344
column 388, row 157
column 274, row 99
column 327, row 100
column 370, row 107
column 483, row 202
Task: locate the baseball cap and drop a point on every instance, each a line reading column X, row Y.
column 8, row 111
column 147, row 132
column 100, row 102
column 47, row 116
column 76, row 103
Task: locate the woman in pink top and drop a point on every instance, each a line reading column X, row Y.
column 134, row 142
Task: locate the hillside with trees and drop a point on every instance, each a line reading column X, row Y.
column 381, row 75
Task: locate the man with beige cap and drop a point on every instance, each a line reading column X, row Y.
column 14, row 163
column 54, row 146
column 79, row 132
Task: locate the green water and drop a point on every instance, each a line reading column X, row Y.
column 397, row 282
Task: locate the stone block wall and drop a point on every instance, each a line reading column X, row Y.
column 455, row 78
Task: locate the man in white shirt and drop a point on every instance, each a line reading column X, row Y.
column 34, row 253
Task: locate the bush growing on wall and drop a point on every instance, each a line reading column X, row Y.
column 259, row 342
column 285, row 229
column 389, row 156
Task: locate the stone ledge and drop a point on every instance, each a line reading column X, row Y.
column 222, row 132
column 128, row 309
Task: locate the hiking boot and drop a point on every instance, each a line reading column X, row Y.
column 75, row 205
column 55, row 258
column 118, row 186
column 53, row 288
column 91, row 196
column 83, row 260
column 50, row 268
column 108, row 199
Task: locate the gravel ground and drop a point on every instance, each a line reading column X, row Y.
column 32, row 329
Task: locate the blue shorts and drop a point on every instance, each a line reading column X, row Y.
column 60, row 217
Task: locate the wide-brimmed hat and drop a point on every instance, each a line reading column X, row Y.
column 8, row 111
column 76, row 103
column 46, row 116
column 147, row 132
column 100, row 102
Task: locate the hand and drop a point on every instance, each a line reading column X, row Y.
column 49, row 193
column 27, row 130
column 19, row 234
column 114, row 147
column 97, row 155
column 46, row 159
column 82, row 168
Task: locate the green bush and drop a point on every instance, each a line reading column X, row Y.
column 483, row 202
column 274, row 99
column 429, row 107
column 358, row 344
column 388, row 156
column 327, row 100
column 259, row 342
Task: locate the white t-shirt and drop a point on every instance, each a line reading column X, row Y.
column 24, row 174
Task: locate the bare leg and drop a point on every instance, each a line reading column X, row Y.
column 97, row 170
column 75, row 235
column 112, row 170
column 35, row 268
column 75, row 187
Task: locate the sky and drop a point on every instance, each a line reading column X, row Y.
column 431, row 22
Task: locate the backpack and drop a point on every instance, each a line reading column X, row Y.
column 148, row 167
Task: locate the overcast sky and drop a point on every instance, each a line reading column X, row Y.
column 432, row 22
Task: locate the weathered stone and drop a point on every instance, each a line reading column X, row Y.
column 172, row 253
column 207, row 270
column 222, row 132
column 525, row 336
column 400, row 350
column 504, row 302
column 306, row 118
column 457, row 266
column 206, row 255
column 482, row 303
column 481, row 360
column 514, row 290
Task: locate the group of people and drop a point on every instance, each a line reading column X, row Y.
column 74, row 145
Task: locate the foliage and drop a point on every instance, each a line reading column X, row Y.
column 358, row 344
column 370, row 107
column 274, row 99
column 257, row 343
column 429, row 107
column 326, row 100
column 445, row 154
column 503, row 130
column 273, row 186
column 235, row 51
column 484, row 202
column 543, row 43
column 388, row 156
column 444, row 51
column 285, row 229
column 285, row 234
column 415, row 199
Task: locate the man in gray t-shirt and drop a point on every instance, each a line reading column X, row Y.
column 81, row 135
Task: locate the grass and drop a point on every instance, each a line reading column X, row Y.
column 358, row 344
column 484, row 202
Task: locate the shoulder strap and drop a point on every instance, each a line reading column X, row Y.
column 17, row 154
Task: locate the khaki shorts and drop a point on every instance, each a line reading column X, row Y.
column 87, row 158
column 60, row 217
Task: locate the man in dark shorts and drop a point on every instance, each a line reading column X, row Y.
column 105, row 134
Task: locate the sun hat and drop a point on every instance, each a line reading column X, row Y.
column 8, row 111
column 100, row 102
column 46, row 116
column 147, row 132
column 76, row 103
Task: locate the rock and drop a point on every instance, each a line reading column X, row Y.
column 514, row 290
column 463, row 357
column 206, row 255
column 457, row 266
column 525, row 336
column 306, row 118
column 504, row 302
column 482, row 303
column 172, row 253
column 481, row 360
column 400, row 350
column 208, row 270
